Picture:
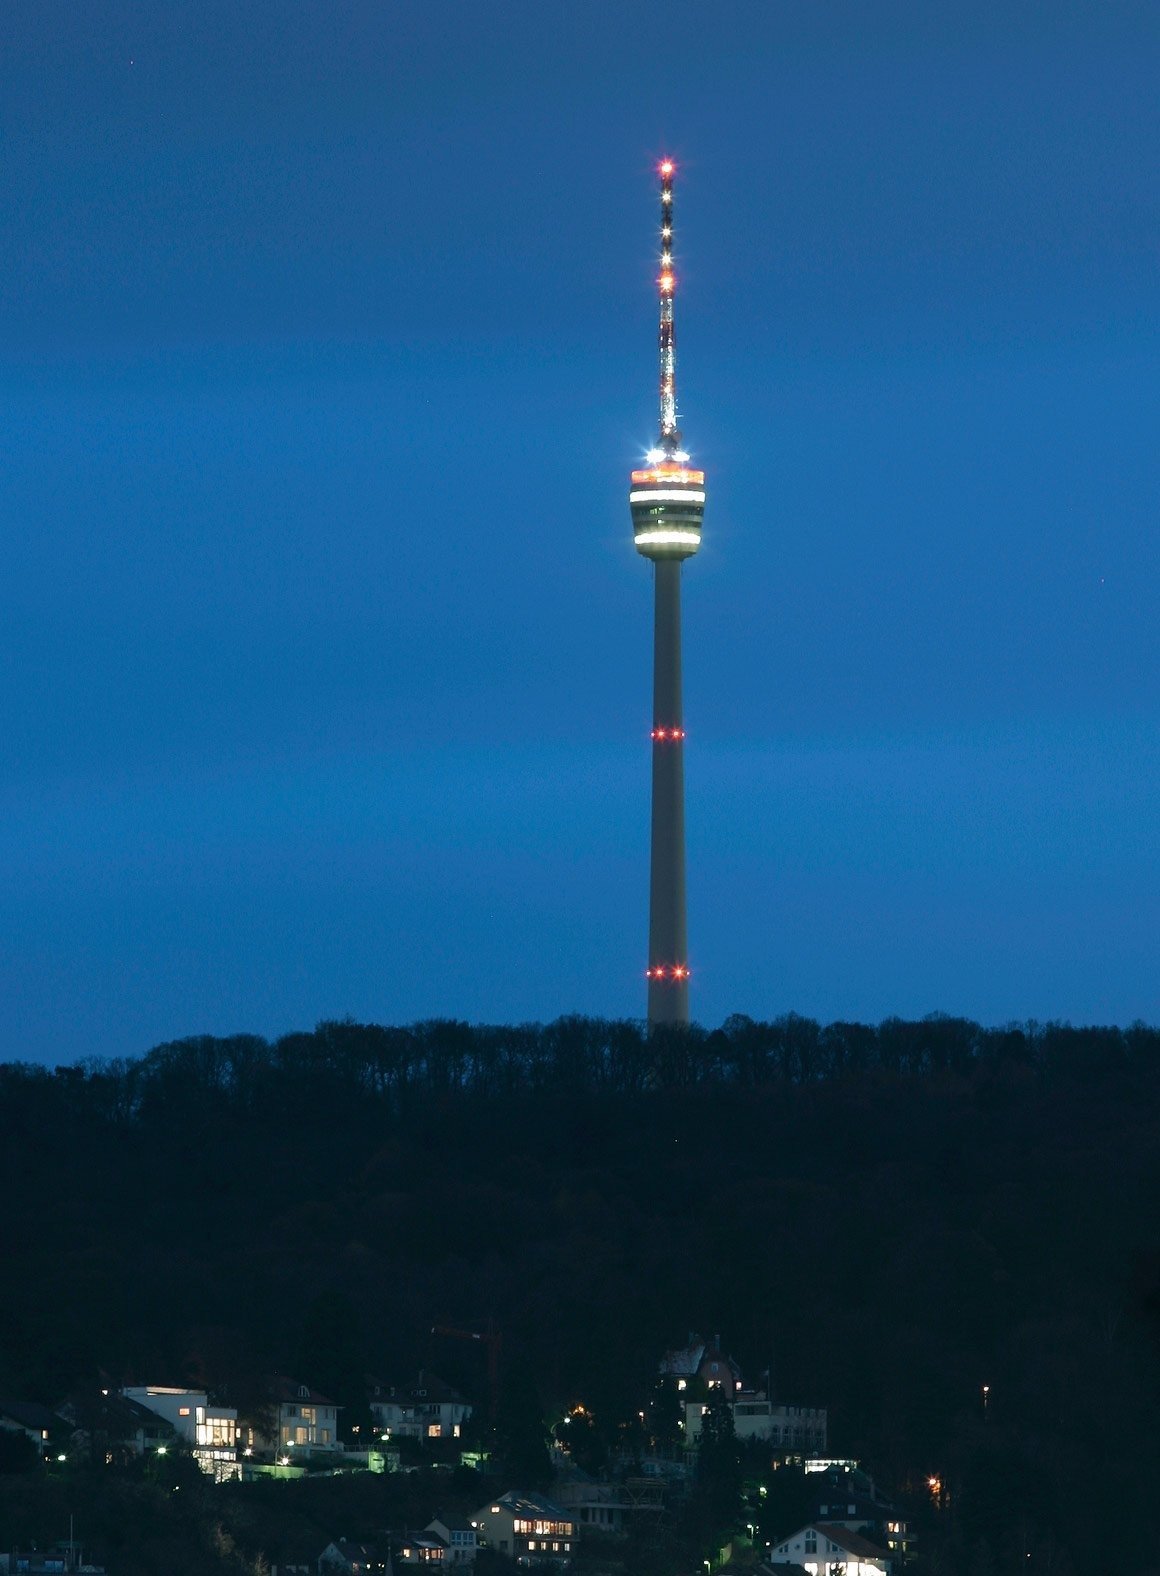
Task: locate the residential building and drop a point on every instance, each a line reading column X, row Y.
column 344, row 1558
column 107, row 1428
column 36, row 1422
column 598, row 1506
column 800, row 1429
column 701, row 1360
column 427, row 1408
column 459, row 1537
column 421, row 1548
column 304, row 1421
column 211, row 1431
column 529, row 1528
column 845, row 1495
column 64, row 1557
column 825, row 1548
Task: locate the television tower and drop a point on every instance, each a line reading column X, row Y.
column 667, row 501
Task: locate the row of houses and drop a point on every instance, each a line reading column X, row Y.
column 528, row 1528
column 299, row 1422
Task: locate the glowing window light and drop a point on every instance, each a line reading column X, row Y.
column 668, row 538
column 668, row 473
column 667, row 495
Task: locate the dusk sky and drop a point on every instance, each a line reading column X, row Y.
column 327, row 342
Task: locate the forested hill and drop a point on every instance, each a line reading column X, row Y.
column 887, row 1217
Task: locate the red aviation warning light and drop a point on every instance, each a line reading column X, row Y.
column 666, row 168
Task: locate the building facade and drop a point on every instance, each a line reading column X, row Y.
column 528, row 1528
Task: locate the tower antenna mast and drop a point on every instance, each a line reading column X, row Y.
column 667, row 500
column 670, row 436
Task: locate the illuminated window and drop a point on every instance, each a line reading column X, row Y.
column 183, row 1411
column 434, row 1431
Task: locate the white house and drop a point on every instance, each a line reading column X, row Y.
column 427, row 1408
column 529, row 1528
column 826, row 1549
column 212, row 1431
column 306, row 1420
column 797, row 1428
column 458, row 1536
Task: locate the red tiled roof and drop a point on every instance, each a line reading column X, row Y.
column 852, row 1542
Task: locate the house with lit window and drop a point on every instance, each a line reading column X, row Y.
column 105, row 1427
column 211, row 1431
column 845, row 1495
column 528, row 1528
column 421, row 1548
column 703, row 1361
column 304, row 1420
column 35, row 1422
column 459, row 1538
column 427, row 1408
column 825, row 1548
column 344, row 1558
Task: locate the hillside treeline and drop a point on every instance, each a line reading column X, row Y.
column 399, row 1067
column 885, row 1218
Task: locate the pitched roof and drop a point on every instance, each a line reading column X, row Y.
column 684, row 1362
column 521, row 1503
column 425, row 1386
column 287, row 1390
column 358, row 1556
column 118, row 1415
column 852, row 1542
column 29, row 1414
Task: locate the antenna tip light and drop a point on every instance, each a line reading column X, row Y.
column 666, row 167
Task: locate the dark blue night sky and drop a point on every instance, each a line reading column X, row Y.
column 327, row 346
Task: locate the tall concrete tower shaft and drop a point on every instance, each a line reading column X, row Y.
column 667, row 501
